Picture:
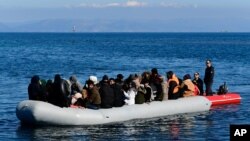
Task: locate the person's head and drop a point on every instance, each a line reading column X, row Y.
column 105, row 78
column 57, row 78
column 111, row 81
column 208, row 63
column 94, row 79
column 186, row 76
column 170, row 74
column 196, row 75
column 119, row 76
column 146, row 75
column 90, row 84
column 154, row 71
column 35, row 79
column 146, row 83
column 73, row 79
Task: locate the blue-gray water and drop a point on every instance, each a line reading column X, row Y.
column 25, row 54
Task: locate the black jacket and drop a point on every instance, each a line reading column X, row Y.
column 209, row 75
column 60, row 93
column 199, row 84
column 107, row 96
column 118, row 95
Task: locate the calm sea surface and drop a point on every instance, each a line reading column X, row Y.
column 24, row 54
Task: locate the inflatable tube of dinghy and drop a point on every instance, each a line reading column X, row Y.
column 38, row 112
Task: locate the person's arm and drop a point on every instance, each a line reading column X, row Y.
column 212, row 73
column 126, row 95
column 93, row 95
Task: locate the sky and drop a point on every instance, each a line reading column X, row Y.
column 233, row 14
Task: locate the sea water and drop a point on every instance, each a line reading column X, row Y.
column 23, row 55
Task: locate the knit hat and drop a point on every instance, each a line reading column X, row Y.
column 94, row 79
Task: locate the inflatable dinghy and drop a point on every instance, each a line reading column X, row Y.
column 229, row 98
column 42, row 113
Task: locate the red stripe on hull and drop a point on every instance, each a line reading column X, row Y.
column 230, row 98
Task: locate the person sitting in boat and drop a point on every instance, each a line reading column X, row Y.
column 119, row 79
column 140, row 95
column 173, row 85
column 127, row 82
column 119, row 96
column 198, row 82
column 94, row 98
column 106, row 93
column 149, row 96
column 76, row 87
column 130, row 94
column 60, row 92
column 35, row 89
column 94, row 79
column 155, row 83
column 187, row 87
column 140, row 89
column 49, row 89
column 79, row 99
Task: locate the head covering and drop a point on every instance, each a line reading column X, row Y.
column 111, row 79
column 35, row 79
column 196, row 73
column 170, row 74
column 73, row 79
column 93, row 78
column 119, row 76
column 89, row 82
column 57, row 78
column 186, row 76
column 105, row 78
column 154, row 71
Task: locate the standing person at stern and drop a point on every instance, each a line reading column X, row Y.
column 209, row 76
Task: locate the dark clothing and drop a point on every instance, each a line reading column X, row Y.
column 208, row 80
column 119, row 82
column 94, row 96
column 118, row 95
column 81, row 102
column 148, row 94
column 155, row 81
column 171, row 94
column 35, row 90
column 140, row 96
column 107, row 96
column 75, row 88
column 199, row 84
column 60, row 93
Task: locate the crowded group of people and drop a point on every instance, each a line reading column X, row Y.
column 116, row 92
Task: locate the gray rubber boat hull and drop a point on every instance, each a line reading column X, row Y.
column 38, row 112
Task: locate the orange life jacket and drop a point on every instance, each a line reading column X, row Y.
column 190, row 86
column 175, row 79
